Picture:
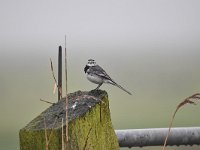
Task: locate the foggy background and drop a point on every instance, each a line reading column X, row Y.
column 151, row 48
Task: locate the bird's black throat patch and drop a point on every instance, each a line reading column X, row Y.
column 86, row 68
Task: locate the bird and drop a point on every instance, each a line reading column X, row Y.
column 97, row 75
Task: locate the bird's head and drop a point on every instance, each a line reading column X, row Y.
column 91, row 62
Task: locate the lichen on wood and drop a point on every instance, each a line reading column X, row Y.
column 90, row 125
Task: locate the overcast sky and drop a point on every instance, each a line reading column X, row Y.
column 130, row 23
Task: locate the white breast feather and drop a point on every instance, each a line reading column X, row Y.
column 95, row 79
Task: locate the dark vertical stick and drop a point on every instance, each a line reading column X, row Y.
column 59, row 73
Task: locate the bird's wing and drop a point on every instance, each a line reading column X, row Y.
column 97, row 70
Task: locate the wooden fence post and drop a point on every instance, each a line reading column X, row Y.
column 90, row 125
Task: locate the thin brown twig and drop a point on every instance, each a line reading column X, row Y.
column 53, row 74
column 52, row 129
column 188, row 100
column 84, row 148
column 47, row 140
column 63, row 144
column 66, row 93
column 52, row 70
column 100, row 112
column 46, row 101
column 46, row 137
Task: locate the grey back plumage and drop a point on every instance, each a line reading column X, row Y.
column 95, row 70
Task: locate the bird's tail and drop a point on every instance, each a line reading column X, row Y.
column 119, row 86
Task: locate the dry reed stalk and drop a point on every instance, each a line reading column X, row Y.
column 47, row 140
column 46, row 101
column 46, row 136
column 87, row 139
column 63, row 144
column 52, row 129
column 188, row 100
column 54, row 88
column 66, row 94
column 55, row 81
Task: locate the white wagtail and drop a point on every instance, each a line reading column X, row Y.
column 98, row 76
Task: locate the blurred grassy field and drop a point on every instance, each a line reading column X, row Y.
column 151, row 105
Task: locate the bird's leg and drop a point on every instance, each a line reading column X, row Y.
column 98, row 86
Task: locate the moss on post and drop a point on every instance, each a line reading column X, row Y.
column 90, row 125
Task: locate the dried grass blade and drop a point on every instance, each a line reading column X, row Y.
column 188, row 100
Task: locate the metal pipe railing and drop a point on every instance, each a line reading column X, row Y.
column 156, row 137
